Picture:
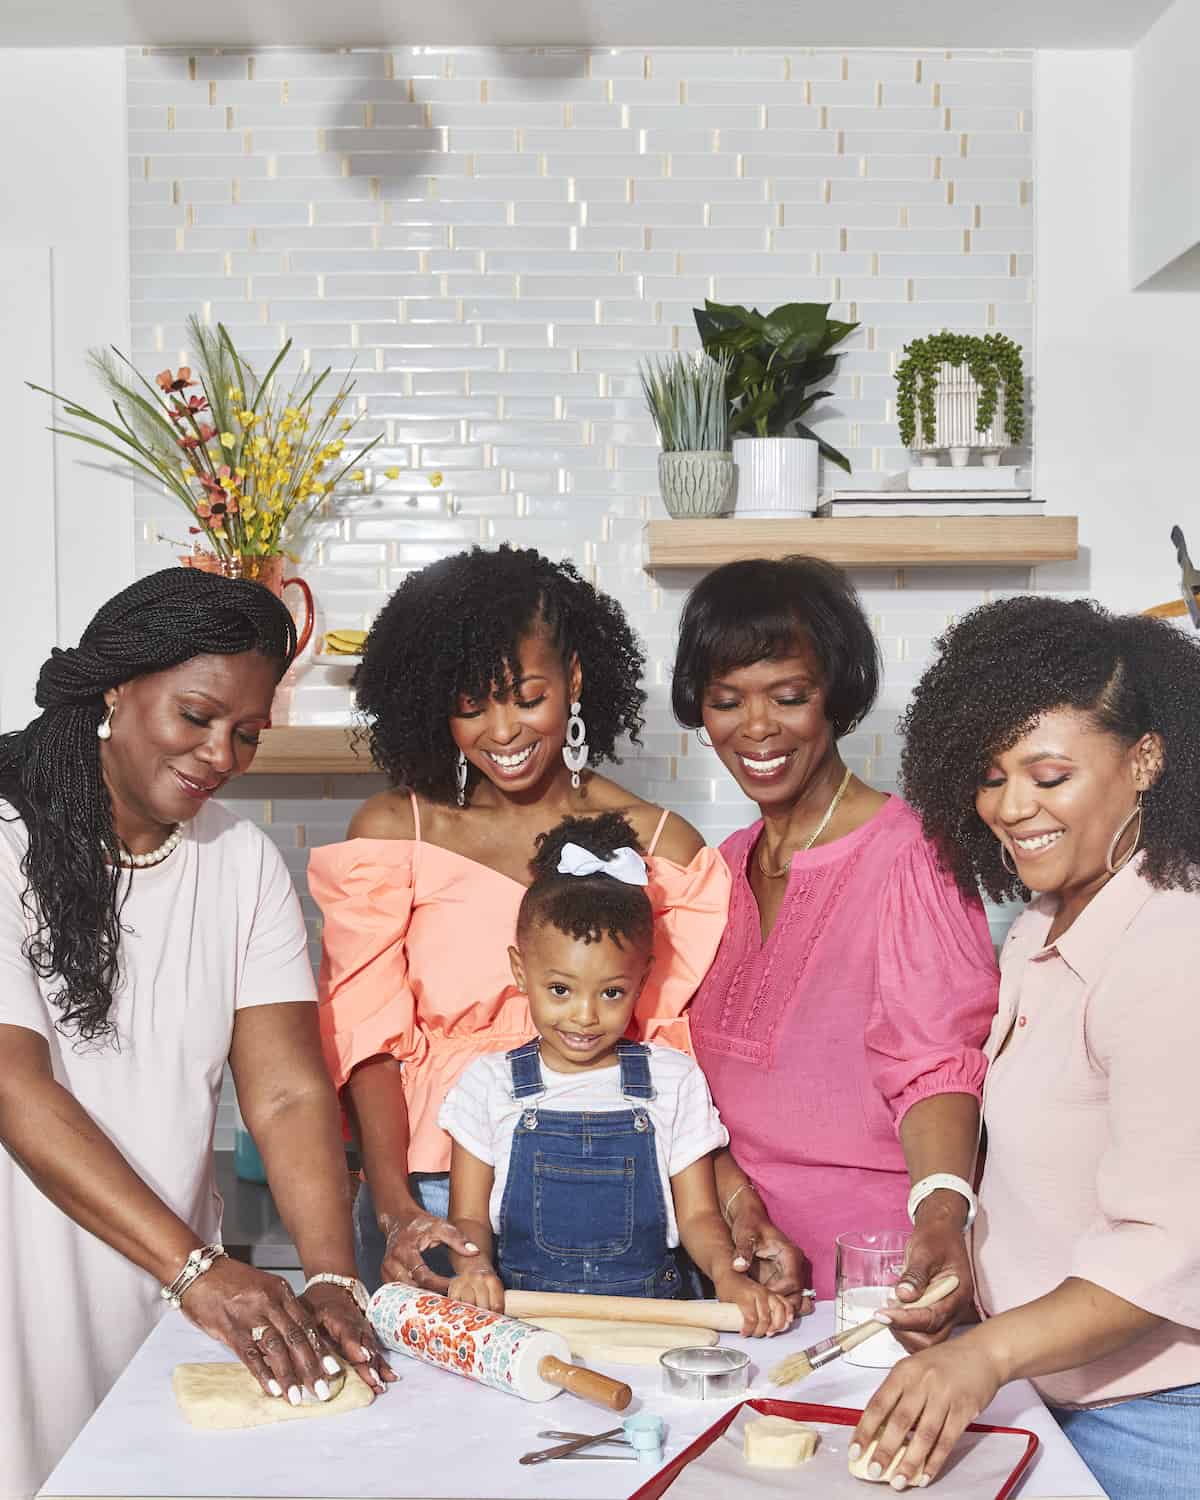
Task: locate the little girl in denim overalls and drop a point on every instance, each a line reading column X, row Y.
column 582, row 1159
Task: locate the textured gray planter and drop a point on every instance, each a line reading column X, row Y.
column 696, row 484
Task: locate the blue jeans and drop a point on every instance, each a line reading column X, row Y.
column 1145, row 1449
column 432, row 1192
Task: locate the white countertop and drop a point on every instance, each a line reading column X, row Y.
column 439, row 1437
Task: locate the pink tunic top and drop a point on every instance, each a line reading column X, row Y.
column 415, row 963
column 1093, row 1165
column 874, row 990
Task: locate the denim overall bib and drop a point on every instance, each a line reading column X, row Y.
column 583, row 1207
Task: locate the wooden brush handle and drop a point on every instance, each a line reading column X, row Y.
column 725, row 1317
column 588, row 1385
column 936, row 1290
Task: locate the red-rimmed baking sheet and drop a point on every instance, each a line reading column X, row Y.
column 987, row 1461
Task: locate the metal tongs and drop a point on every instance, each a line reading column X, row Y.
column 576, row 1442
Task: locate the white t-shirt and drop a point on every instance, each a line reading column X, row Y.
column 481, row 1114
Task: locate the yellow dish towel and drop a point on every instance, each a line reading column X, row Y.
column 345, row 642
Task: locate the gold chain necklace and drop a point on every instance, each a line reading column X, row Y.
column 816, row 833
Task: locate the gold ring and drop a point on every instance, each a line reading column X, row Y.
column 258, row 1332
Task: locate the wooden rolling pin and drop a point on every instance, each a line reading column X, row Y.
column 725, row 1317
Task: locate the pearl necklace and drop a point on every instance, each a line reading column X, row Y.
column 168, row 846
column 809, row 842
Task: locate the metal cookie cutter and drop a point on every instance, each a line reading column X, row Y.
column 704, row 1374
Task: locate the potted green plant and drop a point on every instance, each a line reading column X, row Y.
column 685, row 394
column 775, row 359
column 958, row 392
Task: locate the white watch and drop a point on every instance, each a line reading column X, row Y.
column 350, row 1284
column 952, row 1184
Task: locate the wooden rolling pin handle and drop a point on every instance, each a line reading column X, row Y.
column 588, row 1385
column 725, row 1317
column 942, row 1287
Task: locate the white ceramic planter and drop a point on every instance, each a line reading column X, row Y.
column 777, row 476
column 956, row 405
column 699, row 483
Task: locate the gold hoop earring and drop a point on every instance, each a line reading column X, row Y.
column 700, row 736
column 1120, row 834
column 1006, row 861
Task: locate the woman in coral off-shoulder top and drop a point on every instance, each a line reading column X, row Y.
column 493, row 682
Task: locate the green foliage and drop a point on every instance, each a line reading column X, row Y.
column 686, row 397
column 773, row 360
column 992, row 359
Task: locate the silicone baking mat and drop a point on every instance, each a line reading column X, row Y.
column 987, row 1461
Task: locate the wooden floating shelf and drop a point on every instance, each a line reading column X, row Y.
column 310, row 750
column 866, row 542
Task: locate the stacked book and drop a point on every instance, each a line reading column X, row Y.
column 937, row 491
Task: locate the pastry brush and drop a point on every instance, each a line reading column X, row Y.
column 798, row 1366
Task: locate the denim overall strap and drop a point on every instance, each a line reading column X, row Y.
column 583, row 1208
column 525, row 1067
column 635, row 1070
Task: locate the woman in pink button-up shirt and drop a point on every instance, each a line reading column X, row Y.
column 1058, row 747
column 841, row 1025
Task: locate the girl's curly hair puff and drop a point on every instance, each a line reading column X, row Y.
column 586, row 907
column 456, row 628
column 1001, row 668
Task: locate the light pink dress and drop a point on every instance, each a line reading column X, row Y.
column 874, row 990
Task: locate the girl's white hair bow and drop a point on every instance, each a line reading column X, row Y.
column 623, row 864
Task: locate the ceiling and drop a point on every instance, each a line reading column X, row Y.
column 609, row 23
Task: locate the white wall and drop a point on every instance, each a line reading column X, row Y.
column 1118, row 377
column 1166, row 149
column 63, row 220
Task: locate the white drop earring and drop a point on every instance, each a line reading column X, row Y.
column 460, row 778
column 104, row 728
column 575, row 751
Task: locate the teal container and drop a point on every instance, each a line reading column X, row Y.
column 247, row 1162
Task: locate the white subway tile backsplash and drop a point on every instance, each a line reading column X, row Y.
column 496, row 237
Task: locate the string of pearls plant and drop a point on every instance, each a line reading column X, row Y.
column 993, row 361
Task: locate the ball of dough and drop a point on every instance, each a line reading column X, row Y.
column 778, row 1443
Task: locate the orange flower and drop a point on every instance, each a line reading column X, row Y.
column 177, row 382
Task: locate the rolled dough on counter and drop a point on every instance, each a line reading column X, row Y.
column 602, row 1339
column 225, row 1396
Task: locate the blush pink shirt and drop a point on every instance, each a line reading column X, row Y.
column 874, row 990
column 1093, row 1164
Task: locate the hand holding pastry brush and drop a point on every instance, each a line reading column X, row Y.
column 798, row 1366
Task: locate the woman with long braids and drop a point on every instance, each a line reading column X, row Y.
column 146, row 938
column 1052, row 751
column 493, row 682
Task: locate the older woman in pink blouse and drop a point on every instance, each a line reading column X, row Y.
column 841, row 1025
column 1056, row 748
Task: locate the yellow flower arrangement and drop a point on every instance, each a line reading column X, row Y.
column 257, row 461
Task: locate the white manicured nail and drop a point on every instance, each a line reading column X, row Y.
column 855, row 1451
column 331, row 1365
column 882, row 1317
column 367, row 1353
column 740, row 1262
column 294, row 1395
column 321, row 1390
column 274, row 1387
column 875, row 1471
column 471, row 1248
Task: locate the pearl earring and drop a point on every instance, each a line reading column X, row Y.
column 104, row 728
column 575, row 751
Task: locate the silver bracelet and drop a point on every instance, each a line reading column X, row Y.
column 194, row 1267
column 349, row 1284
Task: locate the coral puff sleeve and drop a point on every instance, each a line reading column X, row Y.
column 364, row 888
column 937, row 985
column 691, row 903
